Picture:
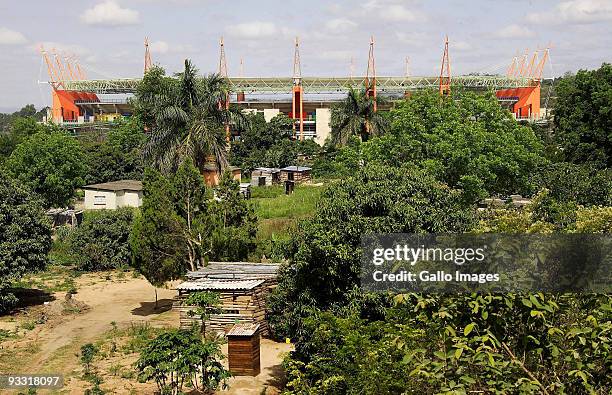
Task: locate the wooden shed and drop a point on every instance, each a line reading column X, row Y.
column 296, row 174
column 243, row 350
column 265, row 176
column 242, row 287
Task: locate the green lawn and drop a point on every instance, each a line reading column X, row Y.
column 278, row 213
column 271, row 202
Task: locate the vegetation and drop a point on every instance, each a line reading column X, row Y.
column 101, row 242
column 583, row 116
column 470, row 143
column 355, row 116
column 25, row 236
column 51, row 163
column 118, row 156
column 205, row 304
column 185, row 118
column 180, row 227
column 176, row 358
column 325, row 255
column 270, row 144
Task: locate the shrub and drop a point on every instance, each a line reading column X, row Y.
column 177, row 357
column 101, row 241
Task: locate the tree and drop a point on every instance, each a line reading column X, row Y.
column 180, row 227
column 20, row 129
column 25, row 236
column 469, row 143
column 235, row 229
column 51, row 163
column 101, row 242
column 118, row 156
column 176, row 358
column 355, row 116
column 325, row 255
column 187, row 120
column 205, row 303
column 583, row 116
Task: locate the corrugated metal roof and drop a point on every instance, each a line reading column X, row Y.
column 210, row 284
column 243, row 330
column 129, row 185
column 235, row 270
column 297, row 168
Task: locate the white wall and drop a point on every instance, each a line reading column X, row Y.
column 107, row 197
column 323, row 116
column 270, row 113
column 112, row 199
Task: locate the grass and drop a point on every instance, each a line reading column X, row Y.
column 271, row 202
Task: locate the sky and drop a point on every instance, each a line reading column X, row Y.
column 107, row 37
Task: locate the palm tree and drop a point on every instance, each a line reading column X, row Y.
column 355, row 116
column 189, row 121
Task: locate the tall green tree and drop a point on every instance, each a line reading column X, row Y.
column 469, row 143
column 118, row 155
column 180, row 227
column 355, row 116
column 25, row 236
column 325, row 255
column 583, row 116
column 51, row 163
column 187, row 120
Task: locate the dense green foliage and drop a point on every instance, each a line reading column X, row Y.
column 269, row 144
column 469, row 143
column 180, row 227
column 29, row 111
column 185, row 118
column 455, row 344
column 583, row 116
column 178, row 358
column 204, row 304
column 101, row 242
column 325, row 263
column 51, row 163
column 118, row 156
column 25, row 236
column 355, row 116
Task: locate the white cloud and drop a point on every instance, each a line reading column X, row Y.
column 162, row 47
column 11, row 37
column 393, row 11
column 459, row 46
column 575, row 12
column 413, row 39
column 340, row 25
column 110, row 13
column 253, row 30
column 336, row 55
column 159, row 47
column 514, row 31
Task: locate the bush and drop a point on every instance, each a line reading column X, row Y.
column 101, row 241
column 177, row 357
column 25, row 236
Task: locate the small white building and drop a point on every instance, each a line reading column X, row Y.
column 113, row 195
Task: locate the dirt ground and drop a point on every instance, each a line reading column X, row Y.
column 109, row 310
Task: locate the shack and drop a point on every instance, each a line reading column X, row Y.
column 242, row 287
column 113, row 195
column 243, row 350
column 296, row 174
column 65, row 217
column 265, row 176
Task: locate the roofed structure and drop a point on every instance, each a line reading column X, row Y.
column 121, row 185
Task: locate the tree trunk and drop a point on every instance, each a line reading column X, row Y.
column 155, row 308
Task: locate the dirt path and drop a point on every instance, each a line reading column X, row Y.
column 53, row 343
column 108, row 301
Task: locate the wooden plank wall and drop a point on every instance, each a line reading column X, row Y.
column 240, row 306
